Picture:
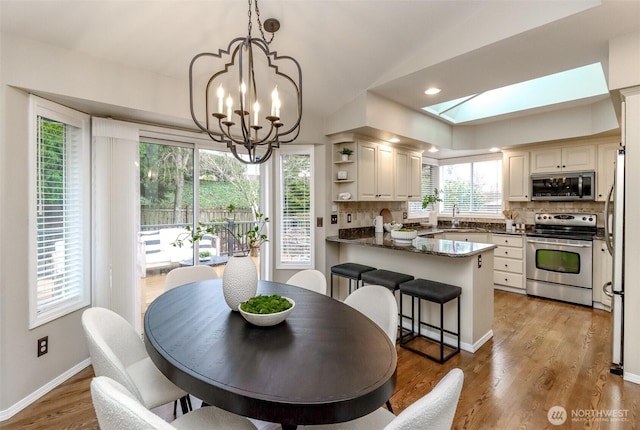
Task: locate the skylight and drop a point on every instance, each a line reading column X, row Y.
column 575, row 84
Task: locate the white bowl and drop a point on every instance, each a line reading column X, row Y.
column 389, row 227
column 404, row 235
column 265, row 320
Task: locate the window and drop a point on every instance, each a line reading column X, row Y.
column 295, row 208
column 475, row 186
column 60, row 237
column 429, row 179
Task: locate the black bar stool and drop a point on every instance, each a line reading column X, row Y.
column 435, row 292
column 351, row 271
column 386, row 278
column 389, row 279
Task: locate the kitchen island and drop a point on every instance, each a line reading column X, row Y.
column 467, row 265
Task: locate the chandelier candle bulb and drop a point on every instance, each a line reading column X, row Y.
column 256, row 110
column 229, row 108
column 243, row 91
column 274, row 101
column 220, row 99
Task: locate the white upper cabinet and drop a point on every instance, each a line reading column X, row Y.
column 606, row 168
column 516, row 171
column 564, row 159
column 375, row 171
column 408, row 168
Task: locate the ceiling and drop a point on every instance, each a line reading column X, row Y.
column 393, row 48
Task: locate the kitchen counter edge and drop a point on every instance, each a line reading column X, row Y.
column 386, row 242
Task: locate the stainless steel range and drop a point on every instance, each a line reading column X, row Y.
column 559, row 257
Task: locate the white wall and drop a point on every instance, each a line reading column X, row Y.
column 624, row 61
column 23, row 373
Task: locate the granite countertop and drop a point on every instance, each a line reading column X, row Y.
column 421, row 245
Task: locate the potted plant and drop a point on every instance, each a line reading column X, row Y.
column 345, row 153
column 431, row 199
column 255, row 236
column 239, row 280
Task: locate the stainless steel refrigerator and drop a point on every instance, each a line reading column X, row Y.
column 614, row 233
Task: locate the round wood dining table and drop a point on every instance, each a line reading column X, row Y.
column 325, row 363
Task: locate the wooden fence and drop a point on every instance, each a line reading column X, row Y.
column 150, row 215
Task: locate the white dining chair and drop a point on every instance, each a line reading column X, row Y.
column 184, row 275
column 310, row 279
column 118, row 352
column 379, row 304
column 117, row 409
column 434, row 411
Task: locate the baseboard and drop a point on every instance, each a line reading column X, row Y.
column 452, row 340
column 631, row 377
column 31, row 398
column 510, row 289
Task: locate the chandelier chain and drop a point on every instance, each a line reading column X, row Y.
column 268, row 42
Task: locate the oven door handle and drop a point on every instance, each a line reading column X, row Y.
column 558, row 244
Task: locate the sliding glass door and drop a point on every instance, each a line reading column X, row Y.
column 182, row 184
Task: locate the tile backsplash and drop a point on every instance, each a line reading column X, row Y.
column 363, row 213
column 527, row 210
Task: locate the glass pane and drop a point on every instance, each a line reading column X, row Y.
column 229, row 189
column 59, row 193
column 558, row 261
column 473, row 187
column 295, row 225
column 166, row 207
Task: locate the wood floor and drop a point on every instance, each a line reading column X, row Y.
column 543, row 354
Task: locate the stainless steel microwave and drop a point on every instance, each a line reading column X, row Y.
column 563, row 186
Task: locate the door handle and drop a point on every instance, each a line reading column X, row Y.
column 607, row 291
column 607, row 228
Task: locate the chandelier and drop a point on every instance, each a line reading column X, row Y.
column 241, row 101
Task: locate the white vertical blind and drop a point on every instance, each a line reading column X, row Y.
column 61, row 211
column 296, row 210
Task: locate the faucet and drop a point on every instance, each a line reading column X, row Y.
column 455, row 222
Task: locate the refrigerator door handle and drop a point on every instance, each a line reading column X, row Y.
column 608, row 291
column 608, row 238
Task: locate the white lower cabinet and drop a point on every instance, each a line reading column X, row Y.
column 508, row 261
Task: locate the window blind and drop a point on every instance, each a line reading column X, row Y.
column 474, row 187
column 295, row 209
column 62, row 262
column 427, row 186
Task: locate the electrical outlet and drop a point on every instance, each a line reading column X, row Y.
column 479, row 261
column 334, row 219
column 404, row 215
column 43, row 346
column 348, row 217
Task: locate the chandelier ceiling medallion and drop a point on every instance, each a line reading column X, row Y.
column 242, row 103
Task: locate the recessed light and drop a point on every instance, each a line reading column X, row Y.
column 433, row 149
column 431, row 91
column 494, row 149
column 394, row 140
